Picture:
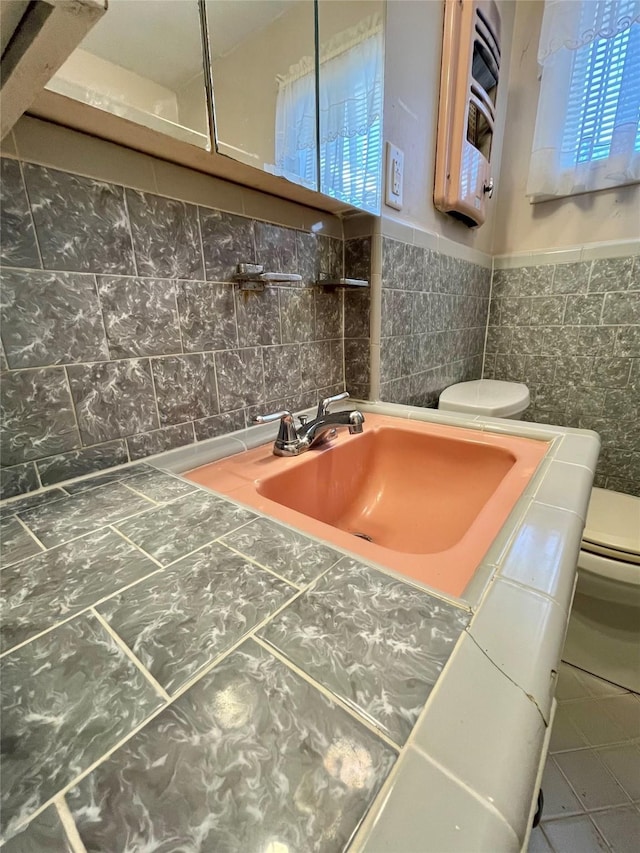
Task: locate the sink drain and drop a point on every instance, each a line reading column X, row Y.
column 363, row 536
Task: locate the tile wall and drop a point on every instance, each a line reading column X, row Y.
column 434, row 315
column 122, row 336
column 571, row 332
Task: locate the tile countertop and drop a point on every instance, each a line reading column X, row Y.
column 182, row 673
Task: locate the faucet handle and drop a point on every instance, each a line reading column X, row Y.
column 287, row 435
column 323, row 407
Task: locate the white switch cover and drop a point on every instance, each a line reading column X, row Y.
column 394, row 177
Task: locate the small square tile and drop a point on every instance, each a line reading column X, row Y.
column 166, row 236
column 559, row 799
column 611, row 274
column 606, row 721
column 624, row 762
column 620, row 828
column 113, row 398
column 590, row 779
column 621, row 309
column 179, row 620
column 63, row 581
column 67, row 698
column 60, row 521
column 81, row 224
column 140, row 316
column 200, row 517
column 309, row 771
column 50, row 318
column 286, row 552
column 354, row 614
column 575, row 835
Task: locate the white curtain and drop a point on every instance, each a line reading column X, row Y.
column 350, row 111
column 587, row 134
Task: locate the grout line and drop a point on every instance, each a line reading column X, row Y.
column 82, row 612
column 73, row 405
column 336, row 700
column 155, row 393
column 204, row 266
column 33, row 536
column 129, row 228
column 69, row 825
column 261, row 566
column 175, row 284
column 36, row 239
column 132, row 657
column 134, row 545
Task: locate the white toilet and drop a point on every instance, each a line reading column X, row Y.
column 490, row 397
column 604, row 630
column 603, row 636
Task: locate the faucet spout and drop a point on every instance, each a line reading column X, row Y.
column 312, row 432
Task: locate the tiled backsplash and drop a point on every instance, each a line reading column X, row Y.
column 571, row 332
column 123, row 337
column 434, row 316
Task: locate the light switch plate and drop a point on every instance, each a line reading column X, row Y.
column 394, row 177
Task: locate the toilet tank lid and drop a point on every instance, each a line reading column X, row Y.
column 491, row 397
column 613, row 521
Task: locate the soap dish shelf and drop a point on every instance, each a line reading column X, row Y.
column 342, row 283
column 254, row 277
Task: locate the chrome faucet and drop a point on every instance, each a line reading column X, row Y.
column 293, row 442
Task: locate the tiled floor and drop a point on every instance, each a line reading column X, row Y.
column 591, row 781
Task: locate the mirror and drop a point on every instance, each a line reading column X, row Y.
column 350, row 69
column 266, row 74
column 143, row 61
column 264, row 84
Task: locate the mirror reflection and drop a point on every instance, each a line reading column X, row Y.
column 264, row 89
column 143, row 61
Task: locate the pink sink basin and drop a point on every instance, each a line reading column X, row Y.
column 422, row 499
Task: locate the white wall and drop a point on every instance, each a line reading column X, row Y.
column 413, row 48
column 608, row 215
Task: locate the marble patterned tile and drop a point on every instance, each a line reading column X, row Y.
column 15, row 543
column 297, row 311
column 207, row 316
column 286, row 552
column 582, row 310
column 610, row 372
column 113, row 399
column 67, row 698
column 140, row 316
column 17, row 480
column 59, row 583
column 356, row 314
column 185, row 387
column 37, row 415
column 81, row 224
column 622, row 308
column 219, row 425
column 18, row 246
column 393, row 265
column 158, row 440
column 227, row 240
column 258, row 315
column 330, row 257
column 328, row 315
column 308, row 254
column 201, row 518
column 158, row 486
column 276, row 248
column 628, row 341
column 377, row 643
column 320, row 364
column 43, row 834
column 179, row 620
column 59, row 521
column 250, row 758
column 609, row 274
column 166, row 236
column 357, row 360
column 240, row 378
column 357, row 258
column 50, row 318
column 77, row 463
column 281, row 370
column 572, row 278
column 32, row 501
